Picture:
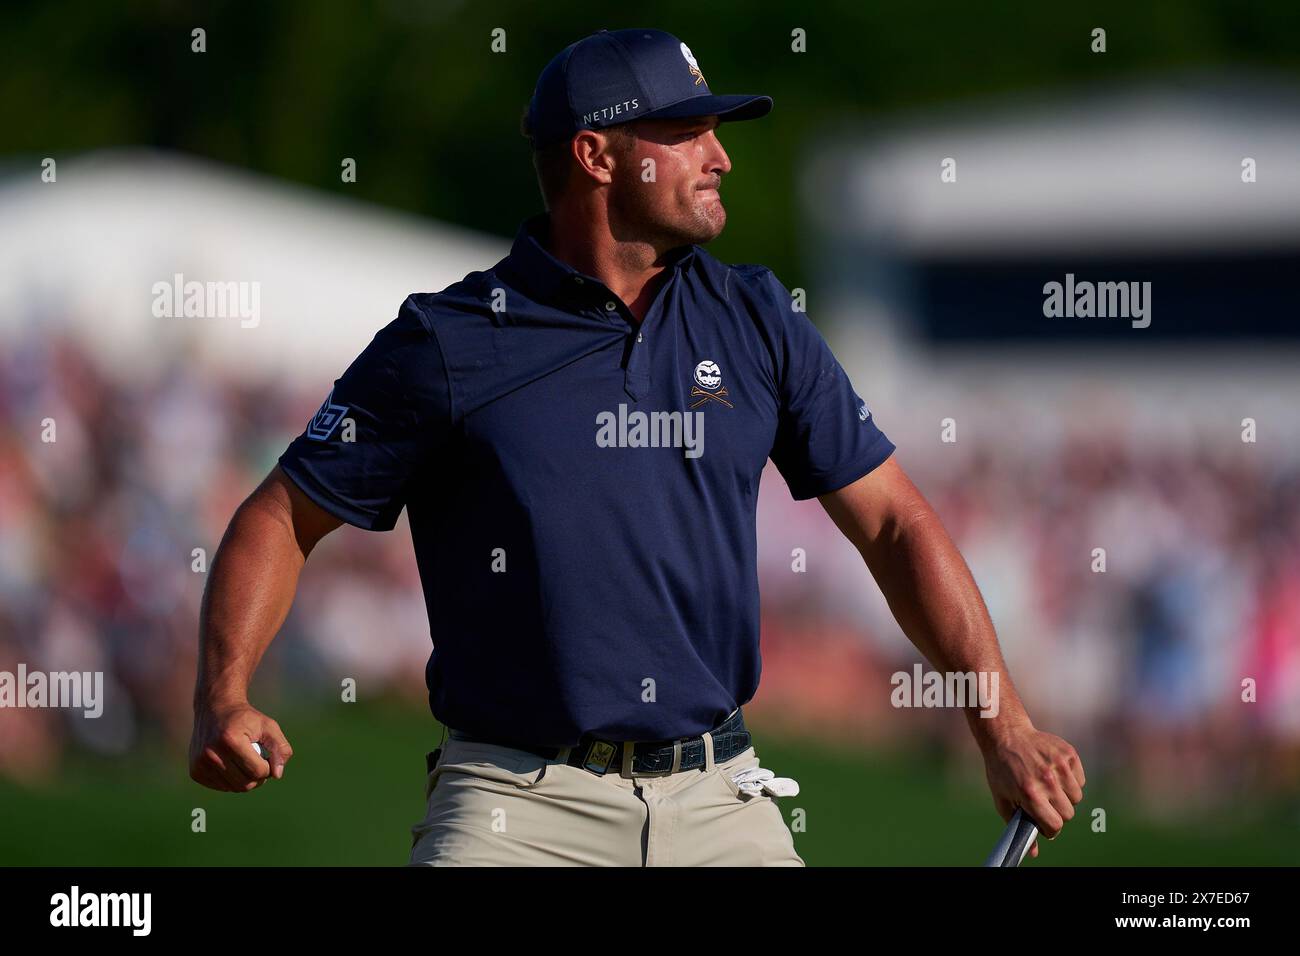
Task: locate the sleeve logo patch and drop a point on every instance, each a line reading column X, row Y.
column 327, row 419
column 863, row 414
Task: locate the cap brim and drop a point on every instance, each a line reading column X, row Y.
column 728, row 108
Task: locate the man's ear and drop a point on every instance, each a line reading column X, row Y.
column 596, row 155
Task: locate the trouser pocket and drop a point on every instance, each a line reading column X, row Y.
column 746, row 758
column 460, row 773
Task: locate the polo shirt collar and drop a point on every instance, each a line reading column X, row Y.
column 547, row 280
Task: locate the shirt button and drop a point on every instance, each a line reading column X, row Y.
column 577, row 280
column 610, row 307
column 638, row 336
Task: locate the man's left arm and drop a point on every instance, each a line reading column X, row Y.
column 936, row 602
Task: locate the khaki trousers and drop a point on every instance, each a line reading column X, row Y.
column 490, row 805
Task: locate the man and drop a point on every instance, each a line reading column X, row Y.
column 577, row 435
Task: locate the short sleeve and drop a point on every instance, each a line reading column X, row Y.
column 826, row 436
column 382, row 421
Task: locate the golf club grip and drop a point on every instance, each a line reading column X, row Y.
column 1015, row 842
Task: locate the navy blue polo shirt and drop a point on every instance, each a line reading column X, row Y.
column 581, row 489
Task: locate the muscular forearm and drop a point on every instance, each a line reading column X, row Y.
column 934, row 599
column 937, row 604
column 250, row 589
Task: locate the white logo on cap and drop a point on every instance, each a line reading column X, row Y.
column 695, row 67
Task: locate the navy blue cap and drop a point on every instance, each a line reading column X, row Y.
column 615, row 76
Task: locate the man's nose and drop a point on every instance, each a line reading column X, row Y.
column 718, row 159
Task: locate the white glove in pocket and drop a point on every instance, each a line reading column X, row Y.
column 755, row 780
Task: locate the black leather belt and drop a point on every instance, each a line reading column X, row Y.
column 648, row 758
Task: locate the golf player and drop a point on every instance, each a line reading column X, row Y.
column 577, row 436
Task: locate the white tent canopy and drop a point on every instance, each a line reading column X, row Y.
column 1155, row 167
column 86, row 252
column 1146, row 171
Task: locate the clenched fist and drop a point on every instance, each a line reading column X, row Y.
column 221, row 750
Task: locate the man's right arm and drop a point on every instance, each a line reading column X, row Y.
column 356, row 462
column 250, row 589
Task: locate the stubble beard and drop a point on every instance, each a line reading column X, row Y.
column 699, row 221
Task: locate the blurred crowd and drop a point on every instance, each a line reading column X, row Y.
column 106, row 533
column 1146, row 596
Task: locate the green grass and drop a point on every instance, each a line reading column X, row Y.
column 355, row 786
